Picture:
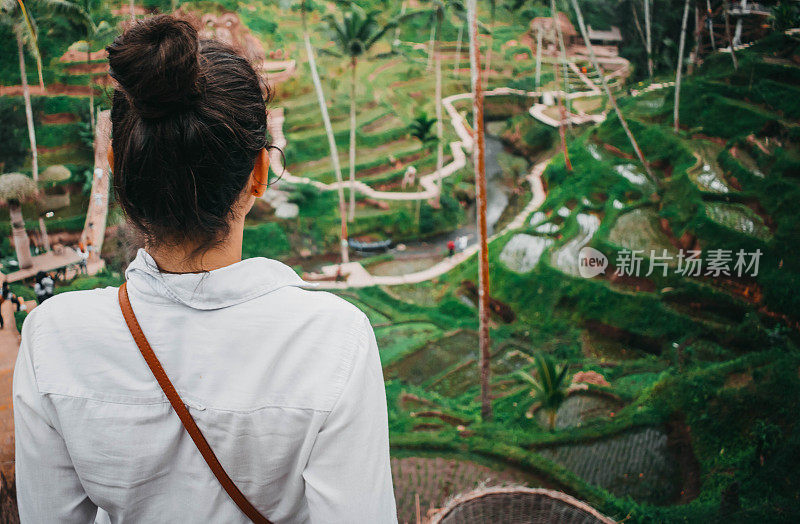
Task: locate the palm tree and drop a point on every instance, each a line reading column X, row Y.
column 638, row 25
column 492, row 15
column 421, row 128
column 678, row 74
column 459, row 39
column 326, row 120
column 548, row 386
column 355, row 32
column 132, row 9
column 479, row 162
column 16, row 188
column 611, row 96
column 538, row 56
column 16, row 13
column 694, row 56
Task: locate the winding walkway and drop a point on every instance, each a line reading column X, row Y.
column 354, row 274
column 358, row 276
column 430, row 188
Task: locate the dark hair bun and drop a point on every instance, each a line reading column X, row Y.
column 156, row 64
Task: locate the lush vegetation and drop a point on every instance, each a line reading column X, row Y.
column 674, row 396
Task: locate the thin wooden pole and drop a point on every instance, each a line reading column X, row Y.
column 479, row 152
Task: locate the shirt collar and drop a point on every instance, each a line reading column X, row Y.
column 216, row 289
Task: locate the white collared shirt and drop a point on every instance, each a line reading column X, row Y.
column 285, row 384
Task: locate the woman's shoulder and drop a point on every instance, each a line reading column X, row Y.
column 73, row 314
column 321, row 306
column 65, row 306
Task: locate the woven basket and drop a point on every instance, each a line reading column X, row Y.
column 518, row 505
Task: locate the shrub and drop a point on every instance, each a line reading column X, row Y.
column 265, row 240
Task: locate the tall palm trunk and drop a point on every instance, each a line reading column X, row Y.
column 479, row 153
column 431, row 46
column 132, row 8
column 694, row 58
column 488, row 67
column 437, row 56
column 562, row 113
column 538, row 57
column 326, row 121
column 649, row 39
column 91, row 87
column 353, row 63
column 396, row 41
column 679, row 73
column 43, row 232
column 638, row 25
column 711, row 26
column 458, row 49
column 21, row 243
column 611, row 96
column 562, row 54
column 737, row 35
column 26, row 95
column 728, row 34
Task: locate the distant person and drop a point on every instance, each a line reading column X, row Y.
column 44, row 286
column 2, row 301
column 83, row 256
column 451, row 247
column 285, row 384
column 8, row 295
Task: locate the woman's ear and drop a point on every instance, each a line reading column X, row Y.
column 110, row 157
column 260, row 177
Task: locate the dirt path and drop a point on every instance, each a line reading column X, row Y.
column 9, row 346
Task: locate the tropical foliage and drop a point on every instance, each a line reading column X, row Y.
column 548, row 385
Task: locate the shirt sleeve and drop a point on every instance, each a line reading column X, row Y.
column 48, row 489
column 348, row 476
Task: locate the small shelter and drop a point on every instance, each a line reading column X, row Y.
column 610, row 36
column 546, row 25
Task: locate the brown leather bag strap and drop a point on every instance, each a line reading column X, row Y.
column 183, row 413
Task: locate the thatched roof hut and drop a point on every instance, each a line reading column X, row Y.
column 548, row 28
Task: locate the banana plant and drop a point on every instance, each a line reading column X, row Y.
column 548, row 385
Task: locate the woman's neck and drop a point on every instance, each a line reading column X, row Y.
column 187, row 258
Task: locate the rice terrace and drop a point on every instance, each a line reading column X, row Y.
column 572, row 225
